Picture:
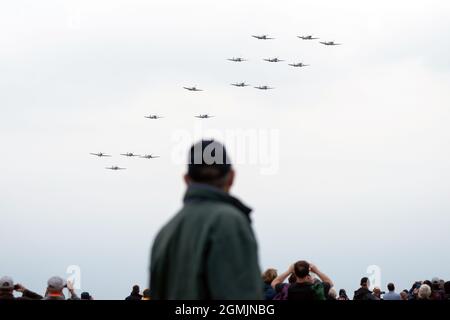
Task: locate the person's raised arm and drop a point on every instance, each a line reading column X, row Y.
column 322, row 276
column 70, row 287
column 282, row 277
column 27, row 293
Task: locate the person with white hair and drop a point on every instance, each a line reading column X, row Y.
column 424, row 292
column 332, row 294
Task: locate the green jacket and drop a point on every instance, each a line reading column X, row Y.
column 207, row 251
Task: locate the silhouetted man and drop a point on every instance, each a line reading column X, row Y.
column 208, row 250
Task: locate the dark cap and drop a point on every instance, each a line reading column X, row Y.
column 208, row 160
column 85, row 296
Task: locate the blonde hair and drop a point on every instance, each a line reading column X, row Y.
column 269, row 275
column 424, row 291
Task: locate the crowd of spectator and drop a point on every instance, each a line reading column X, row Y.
column 302, row 281
column 307, row 282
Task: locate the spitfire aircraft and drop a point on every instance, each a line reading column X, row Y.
column 115, row 168
column 307, row 37
column 204, row 116
column 149, row 156
column 330, row 43
column 263, row 88
column 153, row 116
column 273, row 60
column 263, row 37
column 298, row 65
column 129, row 154
column 237, row 59
column 240, row 84
column 192, row 89
column 100, row 154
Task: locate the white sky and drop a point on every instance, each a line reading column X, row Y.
column 364, row 138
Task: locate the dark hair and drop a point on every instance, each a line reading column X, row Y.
column 436, row 286
column 447, row 287
column 135, row 289
column 292, row 278
column 209, row 163
column 343, row 294
column 391, row 286
column 364, row 281
column 301, row 269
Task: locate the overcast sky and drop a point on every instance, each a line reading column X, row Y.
column 359, row 140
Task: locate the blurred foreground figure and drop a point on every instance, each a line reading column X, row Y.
column 208, row 250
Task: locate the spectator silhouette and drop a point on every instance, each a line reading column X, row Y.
column 208, row 250
column 363, row 293
column 7, row 288
column 134, row 295
column 55, row 287
column 391, row 294
column 268, row 276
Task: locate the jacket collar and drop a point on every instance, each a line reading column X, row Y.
column 200, row 191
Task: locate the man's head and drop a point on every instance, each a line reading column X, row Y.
column 55, row 285
column 208, row 163
column 365, row 283
column 135, row 289
column 301, row 269
column 391, row 287
column 6, row 284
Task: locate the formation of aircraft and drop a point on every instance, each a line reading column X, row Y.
column 236, row 84
column 237, row 59
column 298, row 65
column 100, row 154
column 153, row 116
column 266, row 37
column 330, row 43
column 273, row 60
column 263, row 37
column 192, row 89
column 129, row 154
column 264, row 88
column 240, row 84
column 307, row 37
column 149, row 156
